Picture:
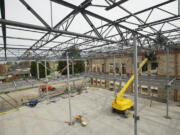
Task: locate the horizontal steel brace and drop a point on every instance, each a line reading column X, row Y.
column 31, row 26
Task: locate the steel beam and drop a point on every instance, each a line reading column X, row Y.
column 30, row 39
column 145, row 10
column 91, row 24
column 31, row 26
column 34, row 13
column 169, row 19
column 74, row 12
column 126, row 17
column 62, row 2
column 116, row 4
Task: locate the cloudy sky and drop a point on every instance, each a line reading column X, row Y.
column 16, row 11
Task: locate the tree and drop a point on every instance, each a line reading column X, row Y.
column 79, row 65
column 2, row 69
column 160, row 39
column 73, row 51
column 33, row 69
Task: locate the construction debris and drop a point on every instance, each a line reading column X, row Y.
column 78, row 118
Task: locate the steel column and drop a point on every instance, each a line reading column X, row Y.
column 2, row 6
column 167, row 86
column 73, row 72
column 114, row 74
column 45, row 64
column 37, row 65
column 69, row 90
column 136, row 117
column 37, row 72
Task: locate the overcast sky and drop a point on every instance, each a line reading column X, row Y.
column 17, row 12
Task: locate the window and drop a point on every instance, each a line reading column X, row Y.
column 103, row 68
column 123, row 68
column 154, row 66
column 117, row 69
column 144, row 89
column 94, row 69
column 111, row 68
column 154, row 91
column 145, row 68
column 98, row 69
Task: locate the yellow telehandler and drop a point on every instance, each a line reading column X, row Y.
column 121, row 103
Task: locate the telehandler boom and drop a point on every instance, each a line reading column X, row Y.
column 122, row 104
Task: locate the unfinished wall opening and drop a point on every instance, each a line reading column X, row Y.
column 123, row 65
column 145, row 68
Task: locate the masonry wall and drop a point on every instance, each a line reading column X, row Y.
column 105, row 65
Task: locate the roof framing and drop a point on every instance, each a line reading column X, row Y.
column 100, row 38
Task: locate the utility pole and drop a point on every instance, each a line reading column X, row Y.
column 69, row 90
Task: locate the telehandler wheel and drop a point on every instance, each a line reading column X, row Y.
column 126, row 114
column 132, row 108
column 113, row 110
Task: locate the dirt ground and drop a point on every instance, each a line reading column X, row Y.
column 14, row 99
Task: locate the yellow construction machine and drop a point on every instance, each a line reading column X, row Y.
column 121, row 103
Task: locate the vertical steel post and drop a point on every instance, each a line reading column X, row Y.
column 73, row 72
column 55, row 70
column 85, row 64
column 114, row 73
column 135, row 87
column 167, row 87
column 45, row 62
column 37, row 66
column 37, row 71
column 69, row 90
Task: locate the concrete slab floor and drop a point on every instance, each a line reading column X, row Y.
column 95, row 106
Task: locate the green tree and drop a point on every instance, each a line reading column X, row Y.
column 73, row 51
column 33, row 69
column 79, row 65
column 160, row 39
